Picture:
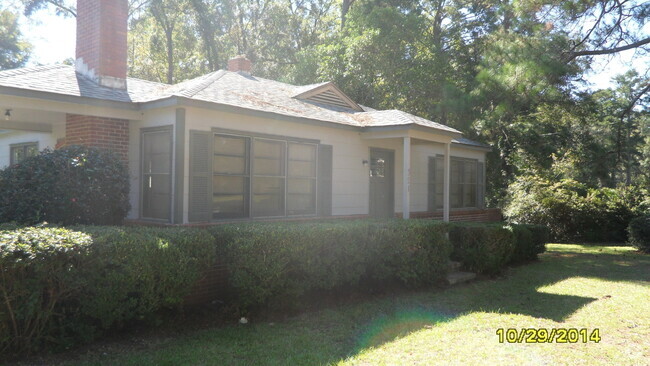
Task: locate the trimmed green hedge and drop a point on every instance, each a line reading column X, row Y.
column 639, row 233
column 488, row 248
column 67, row 286
column 268, row 261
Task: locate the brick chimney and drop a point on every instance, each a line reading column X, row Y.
column 101, row 41
column 240, row 63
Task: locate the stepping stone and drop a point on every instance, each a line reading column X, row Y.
column 455, row 278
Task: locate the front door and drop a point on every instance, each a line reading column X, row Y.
column 382, row 179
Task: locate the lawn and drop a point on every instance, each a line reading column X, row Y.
column 572, row 286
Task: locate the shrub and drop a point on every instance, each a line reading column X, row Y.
column 485, row 248
column 530, row 240
column 66, row 286
column 573, row 211
column 639, row 233
column 268, row 261
column 72, row 185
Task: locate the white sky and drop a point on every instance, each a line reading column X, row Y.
column 53, row 38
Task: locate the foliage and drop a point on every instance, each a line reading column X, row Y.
column 72, row 185
column 14, row 50
column 66, row 286
column 639, row 233
column 573, row 211
column 271, row 261
column 530, row 240
column 482, row 248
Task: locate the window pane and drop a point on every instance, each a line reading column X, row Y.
column 377, row 168
column 469, row 195
column 229, row 185
column 156, row 196
column 230, row 145
column 302, row 168
column 32, row 150
column 229, row 164
column 301, row 196
column 269, row 157
column 302, row 152
column 17, row 154
column 268, row 196
column 230, row 197
column 469, row 172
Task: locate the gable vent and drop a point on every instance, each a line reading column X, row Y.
column 329, row 94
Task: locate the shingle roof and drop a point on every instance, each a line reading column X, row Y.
column 220, row 87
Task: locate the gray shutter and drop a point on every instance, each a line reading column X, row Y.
column 480, row 185
column 200, row 202
column 431, row 198
column 325, row 161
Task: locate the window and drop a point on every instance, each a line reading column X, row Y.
column 268, row 177
column 231, row 180
column 301, row 184
column 263, row 177
column 19, row 152
column 464, row 184
column 156, row 174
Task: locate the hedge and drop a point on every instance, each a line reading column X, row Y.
column 639, row 233
column 72, row 185
column 68, row 286
column 268, row 261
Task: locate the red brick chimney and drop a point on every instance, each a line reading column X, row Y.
column 101, row 41
column 240, row 63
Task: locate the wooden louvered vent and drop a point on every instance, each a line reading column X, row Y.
column 330, row 98
column 329, row 94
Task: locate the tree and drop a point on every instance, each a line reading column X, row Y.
column 14, row 50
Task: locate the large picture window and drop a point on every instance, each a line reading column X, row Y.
column 464, row 183
column 263, row 177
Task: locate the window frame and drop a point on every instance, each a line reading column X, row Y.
column 24, row 146
column 249, row 176
column 287, row 140
column 431, row 205
column 143, row 132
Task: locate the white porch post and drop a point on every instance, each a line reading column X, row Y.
column 445, row 194
column 406, row 179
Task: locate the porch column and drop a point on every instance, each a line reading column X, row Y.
column 406, row 179
column 445, row 191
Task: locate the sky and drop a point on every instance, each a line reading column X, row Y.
column 53, row 39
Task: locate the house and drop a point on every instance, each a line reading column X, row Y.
column 233, row 146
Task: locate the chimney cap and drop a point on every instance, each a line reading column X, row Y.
column 240, row 64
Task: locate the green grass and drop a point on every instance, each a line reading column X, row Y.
column 572, row 286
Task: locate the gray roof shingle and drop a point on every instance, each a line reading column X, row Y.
column 221, row 87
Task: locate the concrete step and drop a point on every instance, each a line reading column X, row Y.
column 457, row 277
column 454, row 266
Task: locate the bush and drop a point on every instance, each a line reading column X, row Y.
column 530, row 240
column 573, row 211
column 67, row 286
column 268, row 261
column 73, row 185
column 485, row 248
column 639, row 233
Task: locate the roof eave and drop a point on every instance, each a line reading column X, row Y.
column 412, row 126
column 65, row 98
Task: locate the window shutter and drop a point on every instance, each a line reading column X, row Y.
column 325, row 161
column 200, row 201
column 431, row 199
column 480, row 185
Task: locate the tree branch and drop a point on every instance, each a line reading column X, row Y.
column 609, row 51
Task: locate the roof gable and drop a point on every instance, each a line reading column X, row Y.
column 328, row 94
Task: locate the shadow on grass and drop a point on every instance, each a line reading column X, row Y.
column 331, row 335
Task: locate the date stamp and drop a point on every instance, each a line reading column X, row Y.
column 550, row 335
